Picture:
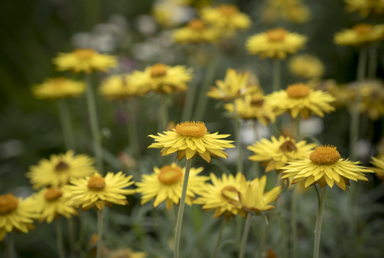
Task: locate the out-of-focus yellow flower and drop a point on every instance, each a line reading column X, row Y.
column 161, row 78
column 306, row 66
column 275, row 43
column 117, row 87
column 365, row 7
column 372, row 99
column 226, row 17
column 361, row 34
column 126, row 253
column 290, row 10
column 58, row 88
column 171, row 13
column 379, row 167
column 196, row 31
column 297, row 13
column 84, row 60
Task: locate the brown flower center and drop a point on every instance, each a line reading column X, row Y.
column 227, row 9
column 257, row 102
column 158, row 70
column 362, row 29
column 170, row 175
column 196, row 24
column 276, row 35
column 58, row 81
column 299, row 90
column 8, row 203
column 325, row 155
column 52, row 194
column 228, row 189
column 288, row 146
column 84, row 53
column 96, row 182
column 61, row 166
column 191, row 129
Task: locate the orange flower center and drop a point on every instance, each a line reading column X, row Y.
column 158, row 70
column 96, row 182
column 227, row 9
column 196, row 24
column 191, row 129
column 170, row 175
column 257, row 102
column 61, row 166
column 299, row 90
column 228, row 189
column 8, row 203
column 362, row 29
column 84, row 53
column 288, row 146
column 52, row 194
column 276, row 35
column 325, row 155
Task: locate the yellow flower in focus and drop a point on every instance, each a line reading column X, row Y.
column 276, row 153
column 300, row 99
column 189, row 139
column 214, row 196
column 84, row 60
column 117, row 87
column 323, row 167
column 98, row 191
column 196, row 31
column 161, row 78
column 58, row 88
column 226, row 17
column 16, row 214
column 361, row 34
column 306, row 66
column 365, row 7
column 59, row 169
column 379, row 167
column 166, row 184
column 126, row 253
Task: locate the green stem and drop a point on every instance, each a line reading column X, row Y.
column 319, row 221
column 276, row 74
column 245, row 235
column 179, row 221
column 66, row 124
column 216, row 249
column 239, row 167
column 372, row 66
column 96, row 137
column 297, row 129
column 99, row 246
column 59, row 239
column 293, row 221
column 9, row 245
column 189, row 98
column 71, row 235
column 132, row 128
column 163, row 113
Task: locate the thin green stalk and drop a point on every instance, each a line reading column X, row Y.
column 297, row 129
column 372, row 66
column 132, row 127
column 179, row 221
column 293, row 222
column 99, row 246
column 216, row 249
column 245, row 235
column 163, row 113
column 71, row 235
column 9, row 245
column 239, row 167
column 276, row 74
column 319, row 222
column 65, row 118
column 96, row 137
column 188, row 104
column 59, row 238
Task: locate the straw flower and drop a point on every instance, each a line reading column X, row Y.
column 226, row 17
column 372, row 99
column 196, row 31
column 379, row 167
column 58, row 88
column 365, row 7
column 117, row 87
column 361, row 34
column 306, row 66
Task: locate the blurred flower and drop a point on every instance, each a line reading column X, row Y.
column 276, row 153
column 297, row 13
column 306, row 66
column 323, row 167
column 126, row 253
column 171, row 13
column 226, row 17
column 98, row 191
column 58, row 88
column 166, row 184
column 360, row 34
column 372, row 99
column 300, row 99
column 196, row 31
column 271, row 253
column 290, row 10
column 275, row 43
column 84, row 60
column 379, row 167
column 117, row 87
column 365, row 7
column 59, row 169
column 190, row 139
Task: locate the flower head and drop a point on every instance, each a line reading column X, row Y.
column 58, row 88
column 379, row 167
column 226, row 17
column 196, row 31
column 117, row 87
column 365, row 7
column 361, row 34
column 372, row 98
column 306, row 66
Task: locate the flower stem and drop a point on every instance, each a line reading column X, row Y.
column 71, row 235
column 179, row 221
column 239, row 167
column 276, row 74
column 163, row 113
column 94, row 124
column 319, row 221
column 293, row 221
column 59, row 238
column 216, row 249
column 66, row 124
column 132, row 127
column 99, row 234
column 372, row 62
column 245, row 235
column 189, row 98
column 9, row 245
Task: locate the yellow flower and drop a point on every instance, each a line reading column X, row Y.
column 161, row 78
column 372, row 99
column 306, row 66
column 126, row 253
column 275, row 43
column 379, row 169
column 323, row 167
column 58, row 88
column 276, row 153
column 98, row 191
column 300, row 99
column 51, row 204
column 84, row 60
column 361, row 34
column 290, row 10
column 117, row 87
column 196, row 31
column 165, row 184
column 59, row 169
column 297, row 13
column 226, row 17
column 189, row 139
column 16, row 214
column 213, row 198
column 365, row 7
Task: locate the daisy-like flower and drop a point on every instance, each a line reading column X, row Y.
column 161, row 78
column 58, row 88
column 98, row 191
column 379, row 167
column 59, row 169
column 361, row 34
column 166, row 184
column 372, row 99
column 323, row 167
column 275, row 43
column 84, row 60
column 117, row 87
column 196, row 31
column 276, row 153
column 189, row 139
column 365, row 7
column 16, row 214
column 126, row 253
column 51, row 204
column 306, row 66
column 214, row 196
column 300, row 99
column 297, row 13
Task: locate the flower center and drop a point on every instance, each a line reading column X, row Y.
column 228, row 189
column 299, row 90
column 8, row 203
column 196, row 24
column 96, row 182
column 325, row 155
column 288, row 146
column 158, row 70
column 227, row 9
column 170, row 175
column 276, row 35
column 84, row 53
column 257, row 102
column 52, row 194
column 191, row 129
column 58, row 81
column 362, row 29
column 61, row 166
